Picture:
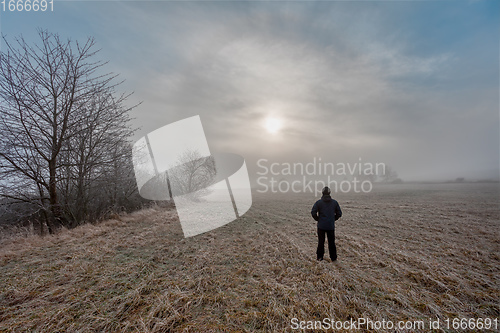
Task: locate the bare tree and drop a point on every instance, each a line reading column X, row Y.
column 96, row 157
column 192, row 175
column 62, row 128
column 390, row 175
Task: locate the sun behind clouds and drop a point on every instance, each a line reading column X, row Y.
column 273, row 125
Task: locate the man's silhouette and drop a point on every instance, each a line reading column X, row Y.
column 326, row 211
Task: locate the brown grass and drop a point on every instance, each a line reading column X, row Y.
column 404, row 253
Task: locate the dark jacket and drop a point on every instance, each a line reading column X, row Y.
column 326, row 211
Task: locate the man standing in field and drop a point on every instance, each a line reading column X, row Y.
column 326, row 211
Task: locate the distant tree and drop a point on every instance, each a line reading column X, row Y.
column 367, row 177
column 192, row 175
column 390, row 176
column 63, row 129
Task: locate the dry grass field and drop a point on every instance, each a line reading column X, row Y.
column 406, row 252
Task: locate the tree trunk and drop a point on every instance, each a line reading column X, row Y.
column 58, row 219
column 44, row 222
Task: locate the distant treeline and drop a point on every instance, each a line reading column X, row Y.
column 65, row 153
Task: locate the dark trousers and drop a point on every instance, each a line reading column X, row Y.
column 331, row 244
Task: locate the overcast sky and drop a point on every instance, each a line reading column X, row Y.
column 414, row 85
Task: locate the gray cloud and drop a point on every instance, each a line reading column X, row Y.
column 408, row 84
